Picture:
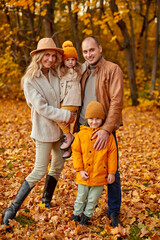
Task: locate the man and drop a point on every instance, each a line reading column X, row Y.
column 103, row 82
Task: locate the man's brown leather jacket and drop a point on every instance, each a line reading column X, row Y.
column 109, row 92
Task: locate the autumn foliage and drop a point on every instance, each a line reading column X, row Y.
column 139, row 141
column 127, row 30
column 129, row 34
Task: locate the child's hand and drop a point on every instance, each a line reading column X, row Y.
column 71, row 118
column 84, row 175
column 63, row 124
column 111, row 178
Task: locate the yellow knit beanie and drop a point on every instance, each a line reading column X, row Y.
column 69, row 50
column 95, row 110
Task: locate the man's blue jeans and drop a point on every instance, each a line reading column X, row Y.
column 114, row 189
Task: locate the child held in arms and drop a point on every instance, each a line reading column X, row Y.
column 69, row 72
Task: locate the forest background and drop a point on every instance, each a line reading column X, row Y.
column 129, row 32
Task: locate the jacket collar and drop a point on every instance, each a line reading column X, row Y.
column 91, row 130
column 96, row 67
column 40, row 73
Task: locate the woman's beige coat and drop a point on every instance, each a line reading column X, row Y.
column 43, row 97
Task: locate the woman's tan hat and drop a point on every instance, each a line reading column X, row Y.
column 46, row 44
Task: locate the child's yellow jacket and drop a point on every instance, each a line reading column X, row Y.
column 96, row 163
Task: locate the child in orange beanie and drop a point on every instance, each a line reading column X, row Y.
column 94, row 168
column 69, row 73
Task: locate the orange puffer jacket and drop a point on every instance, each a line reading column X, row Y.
column 96, row 163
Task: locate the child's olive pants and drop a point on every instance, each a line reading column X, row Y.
column 89, row 196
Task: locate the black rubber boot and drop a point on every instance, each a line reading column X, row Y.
column 10, row 212
column 84, row 220
column 114, row 220
column 49, row 187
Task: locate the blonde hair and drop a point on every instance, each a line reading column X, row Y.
column 64, row 69
column 36, row 65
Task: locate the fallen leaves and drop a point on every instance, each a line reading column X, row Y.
column 139, row 141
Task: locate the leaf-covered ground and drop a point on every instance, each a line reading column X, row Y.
column 139, row 150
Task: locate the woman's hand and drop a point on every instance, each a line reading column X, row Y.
column 70, row 120
column 84, row 175
column 111, row 178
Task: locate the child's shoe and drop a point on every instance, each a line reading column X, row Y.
column 68, row 141
column 68, row 153
column 84, row 220
column 76, row 218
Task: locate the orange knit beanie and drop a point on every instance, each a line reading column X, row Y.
column 69, row 50
column 95, row 110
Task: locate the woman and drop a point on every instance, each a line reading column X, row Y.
column 41, row 89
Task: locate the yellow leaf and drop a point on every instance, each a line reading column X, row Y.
column 105, row 32
column 41, row 205
column 146, row 177
column 86, row 21
column 153, row 196
column 87, row 3
column 113, row 38
column 19, row 174
column 132, row 220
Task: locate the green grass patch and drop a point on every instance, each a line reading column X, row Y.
column 146, row 184
column 152, row 213
column 143, row 94
column 2, row 150
column 9, row 166
column 23, row 220
column 134, row 231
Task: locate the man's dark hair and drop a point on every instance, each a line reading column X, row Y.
column 94, row 38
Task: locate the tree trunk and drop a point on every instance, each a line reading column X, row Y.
column 155, row 58
column 102, row 11
column 31, row 22
column 145, row 38
column 20, row 37
column 129, row 54
column 49, row 21
column 132, row 38
column 75, row 28
column 6, row 13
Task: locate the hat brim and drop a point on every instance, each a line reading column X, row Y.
column 40, row 50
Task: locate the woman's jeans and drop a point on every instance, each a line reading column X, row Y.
column 44, row 150
column 114, row 189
